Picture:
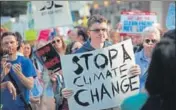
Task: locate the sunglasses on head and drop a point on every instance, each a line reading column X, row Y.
column 153, row 41
column 98, row 30
column 58, row 41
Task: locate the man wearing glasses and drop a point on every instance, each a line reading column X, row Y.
column 151, row 36
column 98, row 33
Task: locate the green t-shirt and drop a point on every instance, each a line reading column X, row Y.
column 135, row 102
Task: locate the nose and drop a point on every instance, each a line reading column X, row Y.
column 102, row 31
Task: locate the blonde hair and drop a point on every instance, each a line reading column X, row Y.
column 149, row 30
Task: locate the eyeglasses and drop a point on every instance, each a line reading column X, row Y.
column 98, row 30
column 58, row 41
column 153, row 41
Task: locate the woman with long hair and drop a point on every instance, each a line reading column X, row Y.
column 27, row 50
column 56, row 79
column 59, row 44
column 37, row 90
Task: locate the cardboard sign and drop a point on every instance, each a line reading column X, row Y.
column 31, row 35
column 100, row 78
column 170, row 20
column 44, row 34
column 136, row 22
column 48, row 56
column 49, row 14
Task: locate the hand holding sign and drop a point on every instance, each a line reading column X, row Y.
column 67, row 93
column 135, row 70
column 102, row 78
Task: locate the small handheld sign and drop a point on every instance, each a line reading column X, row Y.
column 49, row 57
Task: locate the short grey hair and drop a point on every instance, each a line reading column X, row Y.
column 149, row 30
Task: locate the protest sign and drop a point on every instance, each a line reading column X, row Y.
column 100, row 78
column 31, row 35
column 48, row 56
column 49, row 14
column 44, row 34
column 6, row 23
column 136, row 22
column 170, row 20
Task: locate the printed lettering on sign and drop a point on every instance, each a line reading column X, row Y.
column 48, row 56
column 50, row 14
column 100, row 78
column 136, row 22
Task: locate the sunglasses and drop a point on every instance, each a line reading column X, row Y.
column 58, row 41
column 153, row 41
column 98, row 30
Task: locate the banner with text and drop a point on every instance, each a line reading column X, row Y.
column 136, row 22
column 49, row 14
column 48, row 56
column 100, row 78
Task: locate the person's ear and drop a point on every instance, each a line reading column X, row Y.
column 88, row 33
column 17, row 44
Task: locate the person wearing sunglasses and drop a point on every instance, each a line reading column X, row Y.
column 56, row 79
column 161, row 80
column 59, row 44
column 98, row 33
column 151, row 36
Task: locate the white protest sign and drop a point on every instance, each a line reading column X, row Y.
column 136, row 22
column 49, row 14
column 100, row 78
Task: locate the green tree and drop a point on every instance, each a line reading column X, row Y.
column 13, row 8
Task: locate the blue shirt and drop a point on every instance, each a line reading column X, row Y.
column 29, row 71
column 37, row 89
column 143, row 62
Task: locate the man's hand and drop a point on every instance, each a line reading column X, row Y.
column 5, row 67
column 12, row 89
column 135, row 70
column 35, row 100
column 26, row 81
column 67, row 93
column 17, row 68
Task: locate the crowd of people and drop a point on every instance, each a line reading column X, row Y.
column 27, row 85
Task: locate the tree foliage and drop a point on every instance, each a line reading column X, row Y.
column 13, row 8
